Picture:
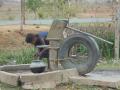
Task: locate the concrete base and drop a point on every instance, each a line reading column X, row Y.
column 9, row 75
column 105, row 79
column 48, row 79
column 20, row 75
column 15, row 76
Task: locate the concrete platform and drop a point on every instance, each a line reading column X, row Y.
column 20, row 75
column 48, row 79
column 9, row 73
column 110, row 79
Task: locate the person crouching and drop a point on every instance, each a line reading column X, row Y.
column 37, row 40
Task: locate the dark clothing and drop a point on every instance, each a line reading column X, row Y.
column 41, row 40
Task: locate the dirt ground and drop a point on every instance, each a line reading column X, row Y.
column 12, row 37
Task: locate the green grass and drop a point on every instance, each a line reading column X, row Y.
column 111, row 65
column 26, row 55
column 8, row 87
column 22, row 56
column 70, row 86
column 60, row 87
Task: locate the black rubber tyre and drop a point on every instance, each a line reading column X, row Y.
column 93, row 50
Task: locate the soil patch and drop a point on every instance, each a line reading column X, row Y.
column 12, row 37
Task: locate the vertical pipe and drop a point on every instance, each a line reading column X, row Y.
column 69, row 12
column 23, row 12
column 117, row 34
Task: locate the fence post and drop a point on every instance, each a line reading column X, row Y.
column 117, row 34
column 22, row 14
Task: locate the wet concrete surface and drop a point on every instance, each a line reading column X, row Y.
column 105, row 75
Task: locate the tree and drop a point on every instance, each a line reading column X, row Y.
column 59, row 5
column 34, row 5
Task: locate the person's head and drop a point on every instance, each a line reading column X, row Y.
column 31, row 38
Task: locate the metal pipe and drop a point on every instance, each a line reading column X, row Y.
column 88, row 34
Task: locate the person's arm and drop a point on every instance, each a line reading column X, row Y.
column 42, row 41
column 40, row 53
column 44, row 49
